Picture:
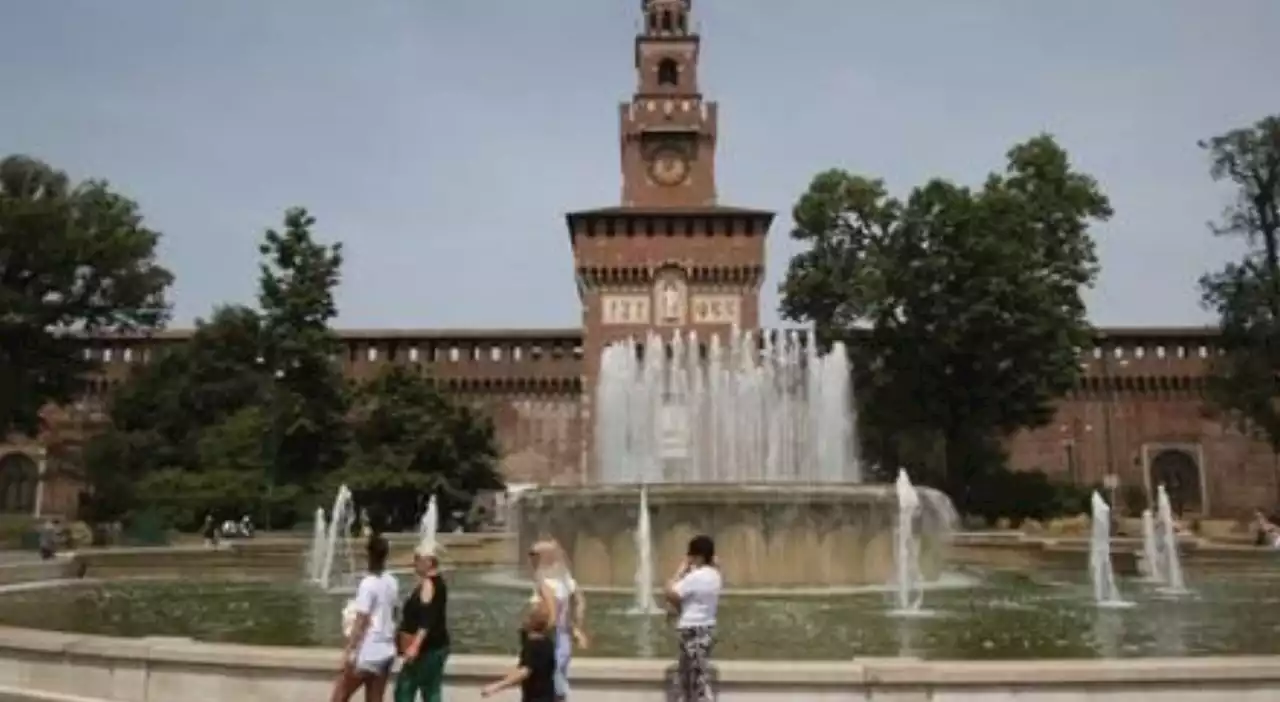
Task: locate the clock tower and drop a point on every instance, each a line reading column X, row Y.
column 668, row 132
column 670, row 258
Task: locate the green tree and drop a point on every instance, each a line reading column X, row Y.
column 1246, row 294
column 166, row 416
column 74, row 258
column 297, row 283
column 231, row 470
column 409, row 440
column 965, row 302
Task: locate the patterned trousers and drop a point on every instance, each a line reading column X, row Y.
column 694, row 676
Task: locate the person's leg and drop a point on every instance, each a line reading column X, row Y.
column 348, row 682
column 375, row 687
column 408, row 682
column 564, row 652
column 702, row 640
column 684, row 668
column 432, row 686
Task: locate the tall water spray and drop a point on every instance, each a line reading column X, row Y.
column 1153, row 567
column 909, row 581
column 644, row 559
column 743, row 409
column 337, row 552
column 1167, row 533
column 315, row 558
column 430, row 524
column 1105, row 592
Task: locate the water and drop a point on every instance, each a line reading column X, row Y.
column 743, row 409
column 644, row 559
column 909, row 581
column 1045, row 613
column 1105, row 591
column 316, row 555
column 338, row 562
column 1152, row 565
column 430, row 525
column 1172, row 564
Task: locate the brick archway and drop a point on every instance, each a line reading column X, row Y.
column 19, row 483
column 1178, row 470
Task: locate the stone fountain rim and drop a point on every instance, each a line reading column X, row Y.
column 703, row 489
column 94, row 651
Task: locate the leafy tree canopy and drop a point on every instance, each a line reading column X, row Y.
column 1246, row 294
column 73, row 258
column 409, row 440
column 163, row 417
column 963, row 303
column 296, row 293
column 252, row 414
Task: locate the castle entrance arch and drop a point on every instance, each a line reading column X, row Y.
column 1178, row 470
column 19, row 481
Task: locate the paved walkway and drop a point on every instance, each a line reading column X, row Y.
column 9, row 557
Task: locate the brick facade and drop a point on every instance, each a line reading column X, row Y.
column 670, row 258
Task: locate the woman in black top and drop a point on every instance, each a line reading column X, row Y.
column 424, row 632
column 535, row 672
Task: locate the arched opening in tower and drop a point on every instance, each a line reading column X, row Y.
column 668, row 72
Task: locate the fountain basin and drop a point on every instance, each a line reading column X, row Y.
column 767, row 535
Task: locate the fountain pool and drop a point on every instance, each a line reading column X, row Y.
column 990, row 615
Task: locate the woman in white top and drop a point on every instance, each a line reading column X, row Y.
column 557, row 591
column 694, row 591
column 371, row 642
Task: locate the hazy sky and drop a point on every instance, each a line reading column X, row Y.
column 442, row 140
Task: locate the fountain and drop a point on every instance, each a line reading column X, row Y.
column 1171, row 563
column 909, row 583
column 316, row 555
column 644, row 560
column 1151, row 566
column 1105, row 592
column 430, row 524
column 338, row 562
column 748, row 438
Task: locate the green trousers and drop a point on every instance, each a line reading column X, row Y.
column 424, row 677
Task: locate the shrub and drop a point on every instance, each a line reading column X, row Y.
column 1022, row 495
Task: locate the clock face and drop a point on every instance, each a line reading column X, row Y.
column 669, row 167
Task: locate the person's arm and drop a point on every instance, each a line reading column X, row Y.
column 425, row 597
column 521, row 673
column 578, row 602
column 515, row 677
column 674, row 591
column 364, row 608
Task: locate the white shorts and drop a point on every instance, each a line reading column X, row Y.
column 375, row 658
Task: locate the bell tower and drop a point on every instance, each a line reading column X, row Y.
column 670, row 258
column 668, row 132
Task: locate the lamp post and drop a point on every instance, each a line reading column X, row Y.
column 273, row 440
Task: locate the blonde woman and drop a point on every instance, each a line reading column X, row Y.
column 558, row 594
column 424, row 631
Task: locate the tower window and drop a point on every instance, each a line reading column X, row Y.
column 668, row 25
column 681, row 23
column 668, row 72
column 653, row 21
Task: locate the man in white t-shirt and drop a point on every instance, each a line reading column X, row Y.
column 371, row 642
column 695, row 591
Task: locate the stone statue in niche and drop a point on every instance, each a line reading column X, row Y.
column 670, row 301
column 669, row 298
